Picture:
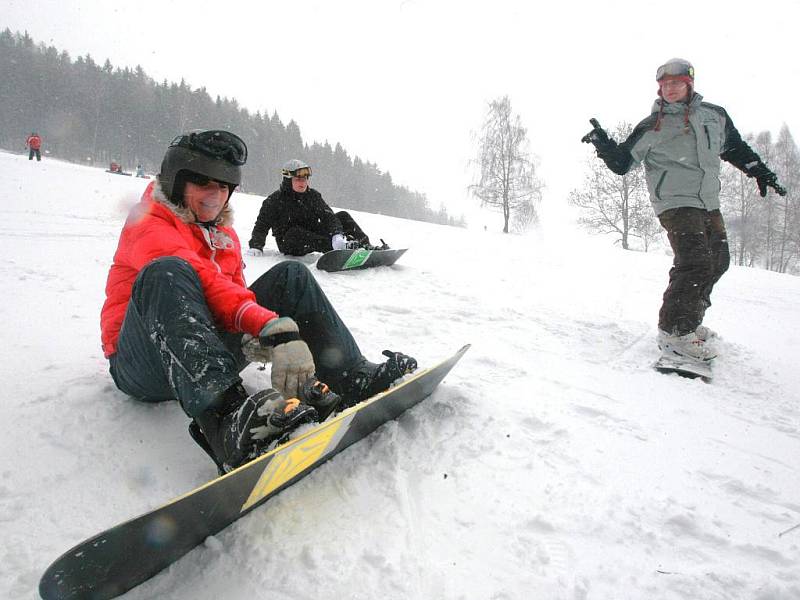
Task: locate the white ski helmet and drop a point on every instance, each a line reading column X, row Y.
column 296, row 168
column 676, row 68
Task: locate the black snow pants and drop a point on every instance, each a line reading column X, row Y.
column 170, row 348
column 297, row 241
column 700, row 244
column 35, row 152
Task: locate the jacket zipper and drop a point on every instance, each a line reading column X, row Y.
column 700, row 162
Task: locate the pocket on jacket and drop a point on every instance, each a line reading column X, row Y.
column 712, row 135
column 659, row 184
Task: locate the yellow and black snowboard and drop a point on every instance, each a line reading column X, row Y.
column 120, row 558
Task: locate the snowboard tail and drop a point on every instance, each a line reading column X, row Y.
column 349, row 260
column 122, row 557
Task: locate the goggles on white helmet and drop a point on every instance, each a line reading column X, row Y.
column 676, row 67
column 296, row 168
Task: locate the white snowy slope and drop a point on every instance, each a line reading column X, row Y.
column 552, row 463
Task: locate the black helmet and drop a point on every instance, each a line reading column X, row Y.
column 295, row 168
column 216, row 154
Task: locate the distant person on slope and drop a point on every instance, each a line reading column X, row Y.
column 34, row 145
column 301, row 221
column 681, row 144
column 179, row 322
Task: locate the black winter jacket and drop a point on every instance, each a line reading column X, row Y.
column 287, row 212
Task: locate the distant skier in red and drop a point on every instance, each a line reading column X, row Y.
column 34, row 144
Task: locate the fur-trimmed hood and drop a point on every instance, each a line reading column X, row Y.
column 225, row 218
column 155, row 228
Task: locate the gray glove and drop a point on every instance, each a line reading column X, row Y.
column 253, row 350
column 255, row 252
column 292, row 362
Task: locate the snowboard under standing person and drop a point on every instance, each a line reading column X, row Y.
column 681, row 144
column 179, row 322
column 34, row 146
column 301, row 221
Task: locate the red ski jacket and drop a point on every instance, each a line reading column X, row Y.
column 153, row 230
column 34, row 141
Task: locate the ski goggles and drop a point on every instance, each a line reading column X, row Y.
column 675, row 69
column 215, row 143
column 303, row 173
column 203, row 180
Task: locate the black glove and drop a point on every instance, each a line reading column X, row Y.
column 765, row 178
column 597, row 136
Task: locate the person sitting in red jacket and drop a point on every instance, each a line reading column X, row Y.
column 34, row 145
column 180, row 323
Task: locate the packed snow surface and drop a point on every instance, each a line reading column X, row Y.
column 553, row 462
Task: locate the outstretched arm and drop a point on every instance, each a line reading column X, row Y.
column 617, row 158
column 739, row 153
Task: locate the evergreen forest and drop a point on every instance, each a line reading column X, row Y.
column 95, row 114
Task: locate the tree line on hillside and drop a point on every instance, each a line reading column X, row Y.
column 97, row 114
column 762, row 232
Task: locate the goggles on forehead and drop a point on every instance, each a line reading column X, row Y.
column 216, row 144
column 675, row 69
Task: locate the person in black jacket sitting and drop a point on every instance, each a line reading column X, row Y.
column 301, row 221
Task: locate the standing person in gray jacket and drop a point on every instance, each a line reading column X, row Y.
column 681, row 144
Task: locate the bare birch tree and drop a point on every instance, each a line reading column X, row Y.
column 610, row 203
column 740, row 202
column 508, row 179
column 767, row 214
column 742, row 207
column 787, row 167
column 765, row 232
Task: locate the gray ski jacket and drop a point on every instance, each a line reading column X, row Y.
column 682, row 157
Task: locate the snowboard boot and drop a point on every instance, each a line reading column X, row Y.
column 364, row 243
column 324, row 400
column 367, row 378
column 242, row 427
column 352, row 245
column 705, row 333
column 688, row 346
column 383, row 246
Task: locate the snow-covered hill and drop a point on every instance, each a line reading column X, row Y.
column 552, row 463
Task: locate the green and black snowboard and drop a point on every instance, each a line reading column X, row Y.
column 349, row 260
column 120, row 558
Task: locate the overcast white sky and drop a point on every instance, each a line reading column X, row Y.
column 405, row 83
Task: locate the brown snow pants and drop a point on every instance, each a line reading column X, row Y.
column 700, row 244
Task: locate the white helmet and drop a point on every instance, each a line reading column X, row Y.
column 676, row 68
column 296, row 168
